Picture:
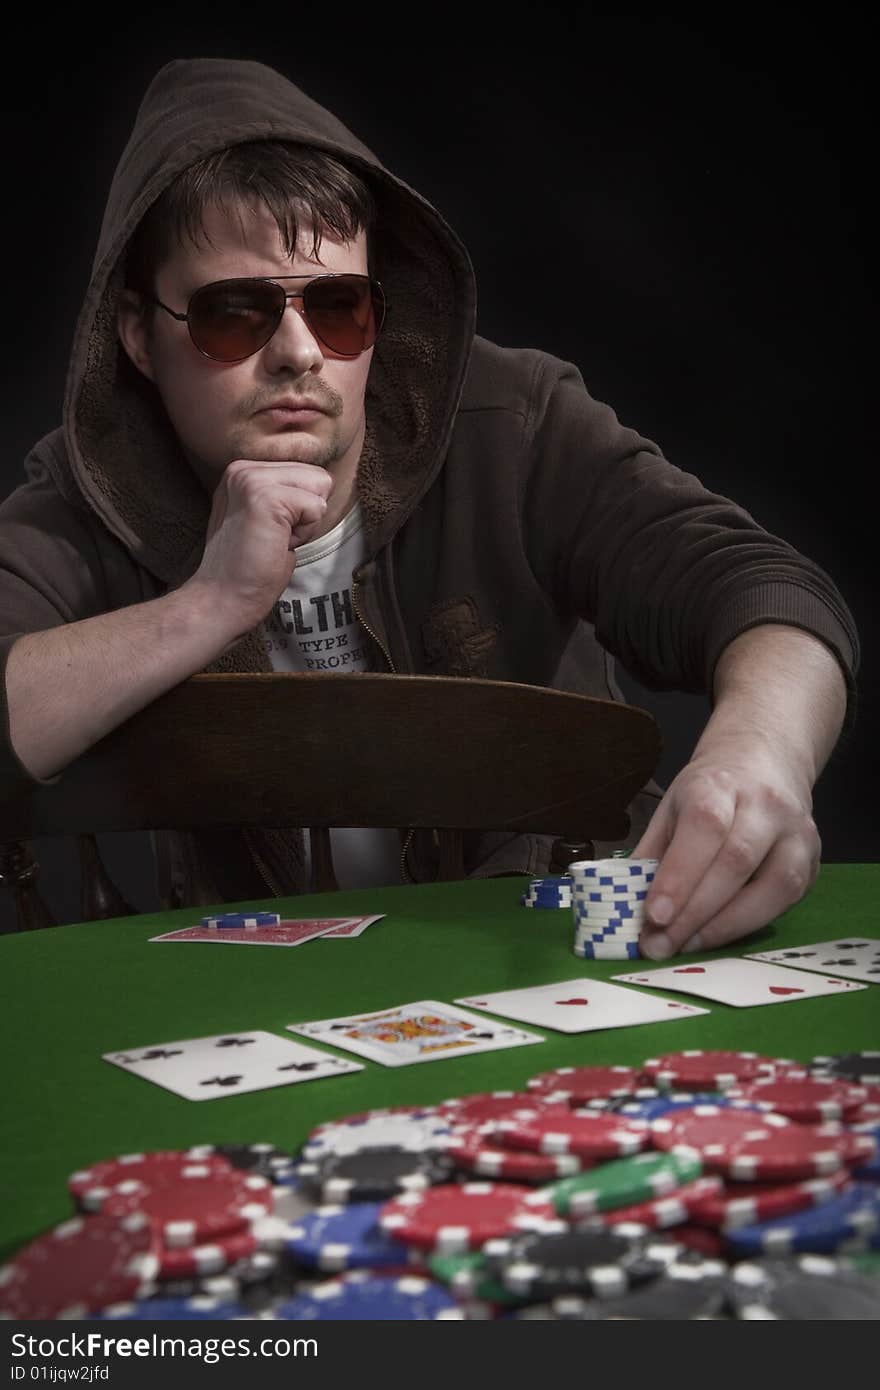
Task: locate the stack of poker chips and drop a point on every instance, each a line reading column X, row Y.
column 608, row 902
column 553, row 891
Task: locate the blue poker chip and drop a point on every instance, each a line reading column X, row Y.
column 850, row 1220
column 682, row 1100
column 242, row 919
column 551, row 881
column 198, row 1307
column 869, row 1171
column 337, row 1237
column 361, row 1296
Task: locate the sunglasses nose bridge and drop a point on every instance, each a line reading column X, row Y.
column 289, row 302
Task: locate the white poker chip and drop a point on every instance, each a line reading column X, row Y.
column 414, row 1133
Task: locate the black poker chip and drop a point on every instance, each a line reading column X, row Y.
column 860, row 1067
column 260, row 1160
column 373, row 1175
column 256, row 1283
column 805, row 1288
column 601, row 1260
column 687, row 1290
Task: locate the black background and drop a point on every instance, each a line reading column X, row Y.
column 680, row 206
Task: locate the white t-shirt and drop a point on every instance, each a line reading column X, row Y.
column 313, row 627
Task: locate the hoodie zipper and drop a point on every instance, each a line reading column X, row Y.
column 404, row 871
column 381, row 645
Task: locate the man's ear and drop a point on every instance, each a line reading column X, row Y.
column 133, row 331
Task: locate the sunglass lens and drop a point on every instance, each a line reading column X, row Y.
column 230, row 321
column 345, row 312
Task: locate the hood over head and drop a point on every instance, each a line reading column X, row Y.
column 123, row 455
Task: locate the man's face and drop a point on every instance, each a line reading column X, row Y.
column 218, row 408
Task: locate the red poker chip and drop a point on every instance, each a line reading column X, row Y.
column 194, row 1261
column 744, row 1204
column 198, row 1205
column 855, row 1149
column 866, row 1114
column 748, row 1145
column 590, row 1134
column 672, row 1210
column 79, row 1267
column 709, row 1071
column 580, row 1085
column 488, row 1106
column 90, row 1187
column 704, row 1241
column 804, row 1097
column 476, row 1154
column 449, row 1219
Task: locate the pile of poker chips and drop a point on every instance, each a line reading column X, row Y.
column 697, row 1185
column 608, row 902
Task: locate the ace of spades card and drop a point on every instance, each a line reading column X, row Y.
column 229, row 1064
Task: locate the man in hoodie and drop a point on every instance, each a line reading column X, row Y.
column 285, row 448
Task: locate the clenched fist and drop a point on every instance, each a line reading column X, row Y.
column 260, row 513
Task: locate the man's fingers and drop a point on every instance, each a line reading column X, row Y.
column 706, row 814
column 786, row 875
column 739, row 858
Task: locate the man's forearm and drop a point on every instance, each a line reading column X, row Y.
column 69, row 686
column 781, row 686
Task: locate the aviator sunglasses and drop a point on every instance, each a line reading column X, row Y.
column 230, row 320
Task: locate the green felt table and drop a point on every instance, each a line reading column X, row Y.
column 74, row 992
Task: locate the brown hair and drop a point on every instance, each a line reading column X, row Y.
column 285, row 176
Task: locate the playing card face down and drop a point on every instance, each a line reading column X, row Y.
column 744, row 983
column 229, row 1064
column 849, row 958
column 288, row 933
column 424, row 1031
column 581, row 1005
column 355, row 926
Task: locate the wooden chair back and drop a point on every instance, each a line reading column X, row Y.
column 323, row 750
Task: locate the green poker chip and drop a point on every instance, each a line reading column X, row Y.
column 467, row 1276
column 623, row 1181
column 865, row 1261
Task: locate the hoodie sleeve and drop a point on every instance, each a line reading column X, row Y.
column 50, row 573
column 667, row 571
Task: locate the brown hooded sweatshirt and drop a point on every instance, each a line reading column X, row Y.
column 515, row 529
